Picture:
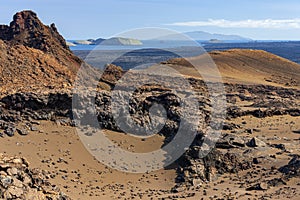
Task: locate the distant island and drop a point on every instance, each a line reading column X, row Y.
column 213, row 41
column 121, row 41
column 195, row 35
column 115, row 41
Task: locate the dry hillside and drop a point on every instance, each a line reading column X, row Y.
column 244, row 66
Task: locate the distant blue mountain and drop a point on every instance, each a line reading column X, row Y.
column 167, row 41
column 205, row 36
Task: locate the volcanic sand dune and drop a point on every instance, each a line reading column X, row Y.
column 242, row 66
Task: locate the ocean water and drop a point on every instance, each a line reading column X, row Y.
column 146, row 45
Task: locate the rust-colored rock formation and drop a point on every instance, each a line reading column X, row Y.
column 35, row 56
column 26, row 29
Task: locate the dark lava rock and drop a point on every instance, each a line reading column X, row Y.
column 292, row 169
column 10, row 131
column 230, row 141
column 296, row 131
column 258, row 186
column 255, row 142
column 194, row 170
column 256, row 160
column 279, row 146
column 230, row 126
column 22, row 131
column 18, row 181
column 276, row 182
column 34, row 128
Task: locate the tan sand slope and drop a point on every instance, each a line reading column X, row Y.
column 241, row 65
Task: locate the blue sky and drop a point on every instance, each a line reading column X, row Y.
column 256, row 19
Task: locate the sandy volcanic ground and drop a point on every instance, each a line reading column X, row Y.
column 57, row 149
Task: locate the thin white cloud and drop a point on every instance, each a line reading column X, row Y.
column 265, row 23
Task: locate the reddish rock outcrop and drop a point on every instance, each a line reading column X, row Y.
column 26, row 29
column 35, row 57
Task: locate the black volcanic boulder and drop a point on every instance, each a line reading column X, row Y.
column 292, row 169
column 18, row 181
column 194, row 171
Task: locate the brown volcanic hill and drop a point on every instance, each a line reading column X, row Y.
column 246, row 66
column 35, row 56
column 26, row 29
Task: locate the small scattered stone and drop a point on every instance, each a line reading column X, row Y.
column 22, row 131
column 10, row 131
column 255, row 142
column 258, row 186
